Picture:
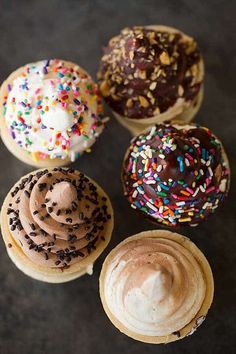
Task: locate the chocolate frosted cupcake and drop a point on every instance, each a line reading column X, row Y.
column 156, row 287
column 150, row 75
column 55, row 223
column 176, row 175
column 50, row 113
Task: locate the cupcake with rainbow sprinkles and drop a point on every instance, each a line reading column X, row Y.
column 176, row 174
column 51, row 113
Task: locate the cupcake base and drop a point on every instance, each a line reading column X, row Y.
column 46, row 274
column 200, row 316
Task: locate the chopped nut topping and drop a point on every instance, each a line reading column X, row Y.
column 156, row 111
column 105, row 89
column 164, row 58
column 142, row 74
column 194, row 70
column 151, row 98
column 151, row 38
column 180, row 90
column 129, row 103
column 143, row 101
column 105, row 57
column 116, row 98
column 123, row 52
column 152, row 86
column 159, row 73
column 131, row 55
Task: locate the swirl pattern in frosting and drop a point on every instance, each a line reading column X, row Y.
column 144, row 71
column 176, row 174
column 57, row 217
column 154, row 286
column 53, row 109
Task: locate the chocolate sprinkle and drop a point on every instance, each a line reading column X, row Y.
column 27, row 193
column 58, row 212
column 176, row 333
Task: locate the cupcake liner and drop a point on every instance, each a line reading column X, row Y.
column 206, row 270
column 47, row 274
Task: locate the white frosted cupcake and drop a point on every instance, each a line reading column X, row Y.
column 50, row 112
column 156, row 287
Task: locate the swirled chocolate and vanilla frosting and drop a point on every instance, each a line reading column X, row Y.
column 154, row 286
column 57, row 217
column 176, row 174
column 53, row 109
column 144, row 71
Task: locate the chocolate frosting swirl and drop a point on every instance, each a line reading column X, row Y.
column 57, row 217
column 176, row 174
column 144, row 71
column 154, row 286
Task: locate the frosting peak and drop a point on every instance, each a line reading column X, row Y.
column 153, row 280
column 63, row 194
column 57, row 118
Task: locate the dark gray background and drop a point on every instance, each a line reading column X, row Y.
column 40, row 318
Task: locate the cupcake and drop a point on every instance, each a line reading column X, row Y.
column 55, row 223
column 150, row 75
column 176, row 174
column 156, row 287
column 50, row 113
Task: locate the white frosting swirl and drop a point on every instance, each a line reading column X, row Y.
column 154, row 286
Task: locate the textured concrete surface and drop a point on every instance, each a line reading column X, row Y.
column 40, row 318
